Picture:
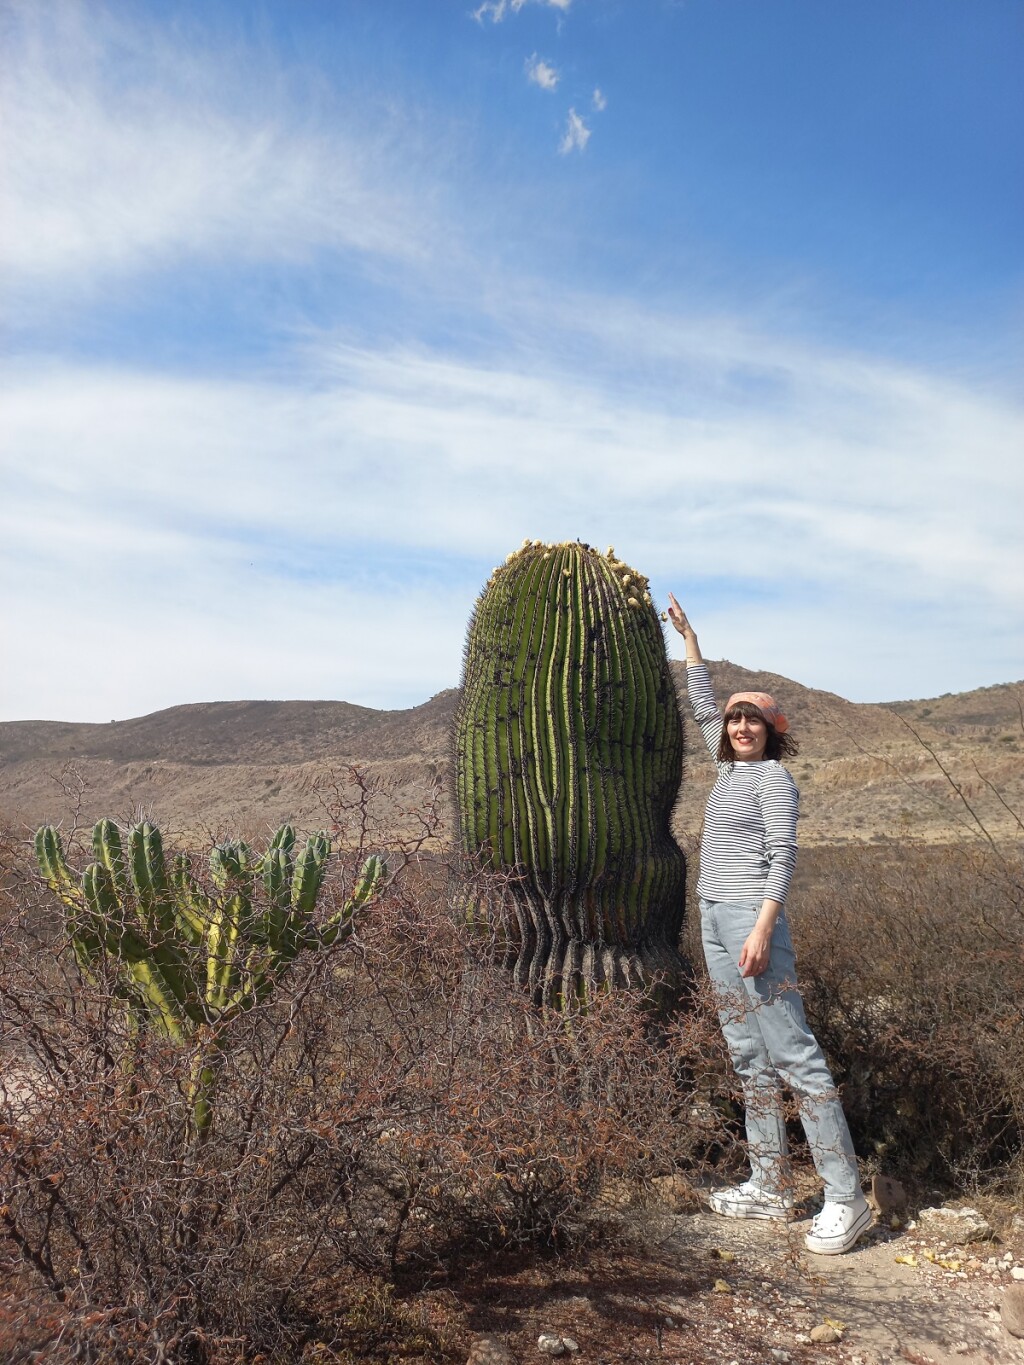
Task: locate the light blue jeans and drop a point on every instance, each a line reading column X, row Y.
column 771, row 1045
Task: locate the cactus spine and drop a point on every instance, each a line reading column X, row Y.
column 186, row 961
column 568, row 759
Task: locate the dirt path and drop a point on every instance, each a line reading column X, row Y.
column 892, row 1311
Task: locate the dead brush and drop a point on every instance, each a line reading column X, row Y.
column 394, row 1111
column 910, row 963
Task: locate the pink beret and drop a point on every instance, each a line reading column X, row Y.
column 765, row 704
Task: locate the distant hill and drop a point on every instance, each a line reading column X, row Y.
column 245, row 766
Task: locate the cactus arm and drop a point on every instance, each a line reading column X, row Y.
column 284, row 839
column 233, row 869
column 87, row 925
column 53, row 865
column 119, row 937
column 213, row 954
column 371, row 877
column 109, row 853
column 123, row 942
column 191, row 906
column 306, row 883
column 149, row 879
column 156, row 916
column 277, row 885
column 262, row 970
column 224, row 866
column 309, row 873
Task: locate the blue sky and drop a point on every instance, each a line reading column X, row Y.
column 313, row 311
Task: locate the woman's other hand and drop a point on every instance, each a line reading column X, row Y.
column 756, row 951
column 758, row 948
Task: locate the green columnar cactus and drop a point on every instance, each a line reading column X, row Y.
column 188, row 962
column 568, row 758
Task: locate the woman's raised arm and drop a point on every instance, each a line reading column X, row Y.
column 679, row 619
column 698, row 680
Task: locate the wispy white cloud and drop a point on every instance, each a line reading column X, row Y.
column 156, row 528
column 541, row 73
column 128, row 148
column 576, row 135
column 599, row 101
column 496, row 10
column 187, row 507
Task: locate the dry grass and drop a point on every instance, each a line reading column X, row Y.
column 394, row 1115
column 397, row 1130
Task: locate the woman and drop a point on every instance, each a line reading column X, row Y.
column 747, row 856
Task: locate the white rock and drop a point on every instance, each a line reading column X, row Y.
column 777, row 1353
column 1017, row 1272
column 571, row 1345
column 973, row 1226
column 550, row 1345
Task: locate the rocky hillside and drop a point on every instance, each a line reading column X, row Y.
column 865, row 771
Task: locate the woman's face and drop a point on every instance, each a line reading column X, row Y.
column 748, row 736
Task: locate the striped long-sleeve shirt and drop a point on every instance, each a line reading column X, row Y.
column 748, row 845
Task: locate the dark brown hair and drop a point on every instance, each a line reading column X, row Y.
column 776, row 746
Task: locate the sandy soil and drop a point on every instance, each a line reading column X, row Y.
column 891, row 1311
column 705, row 1290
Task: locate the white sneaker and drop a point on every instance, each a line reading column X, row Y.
column 749, row 1201
column 838, row 1226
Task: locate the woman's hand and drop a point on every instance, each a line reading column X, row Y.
column 678, row 618
column 756, row 951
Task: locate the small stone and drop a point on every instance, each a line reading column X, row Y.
column 571, row 1345
column 550, row 1345
column 489, row 1351
column 824, row 1334
column 777, row 1353
column 971, row 1226
column 1012, row 1310
column 676, row 1193
column 1017, row 1272
column 887, row 1195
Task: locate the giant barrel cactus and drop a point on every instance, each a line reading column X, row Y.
column 568, row 758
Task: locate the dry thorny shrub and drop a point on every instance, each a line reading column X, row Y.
column 394, row 1111
column 910, row 959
